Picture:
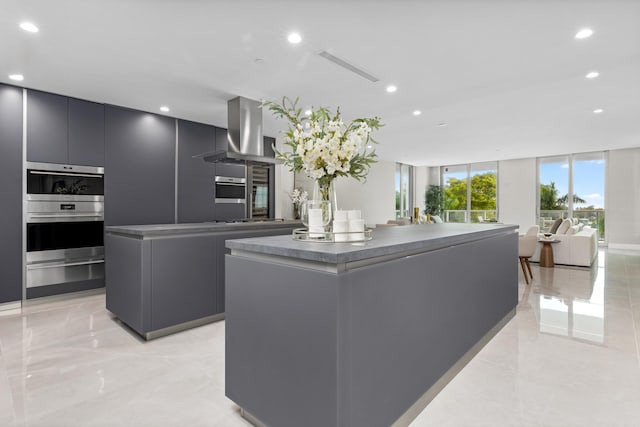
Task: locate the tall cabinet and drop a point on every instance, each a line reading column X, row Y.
column 140, row 151
column 195, row 176
column 11, row 191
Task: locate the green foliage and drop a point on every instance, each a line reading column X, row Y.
column 549, row 197
column 483, row 192
column 455, row 194
column 433, row 200
column 549, row 200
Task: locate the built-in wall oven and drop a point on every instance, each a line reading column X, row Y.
column 230, row 198
column 64, row 219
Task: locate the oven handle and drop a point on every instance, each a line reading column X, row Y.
column 230, row 201
column 231, row 184
column 65, row 264
column 87, row 175
column 64, row 215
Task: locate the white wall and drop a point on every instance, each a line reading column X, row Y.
column 375, row 197
column 420, row 186
column 622, row 199
column 517, row 183
column 284, row 187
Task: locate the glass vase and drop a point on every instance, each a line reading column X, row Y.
column 325, row 191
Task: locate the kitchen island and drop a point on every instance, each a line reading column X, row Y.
column 164, row 278
column 362, row 334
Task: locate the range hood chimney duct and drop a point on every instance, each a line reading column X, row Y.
column 244, row 124
column 244, row 142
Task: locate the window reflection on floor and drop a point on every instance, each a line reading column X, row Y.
column 571, row 301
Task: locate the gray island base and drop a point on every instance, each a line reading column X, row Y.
column 364, row 334
column 165, row 278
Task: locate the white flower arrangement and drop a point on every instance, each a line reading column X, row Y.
column 323, row 146
column 298, row 197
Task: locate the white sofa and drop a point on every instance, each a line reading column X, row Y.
column 577, row 246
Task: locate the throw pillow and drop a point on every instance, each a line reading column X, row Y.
column 554, row 227
column 436, row 219
column 566, row 223
column 572, row 230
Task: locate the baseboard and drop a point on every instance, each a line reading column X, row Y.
column 9, row 308
column 624, row 246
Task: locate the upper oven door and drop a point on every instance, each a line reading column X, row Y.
column 230, row 189
column 64, row 182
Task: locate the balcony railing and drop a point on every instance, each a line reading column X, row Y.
column 476, row 216
column 593, row 218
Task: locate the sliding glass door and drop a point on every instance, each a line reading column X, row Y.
column 404, row 190
column 455, row 193
column 572, row 187
column 470, row 192
column 483, row 192
column 553, row 191
column 588, row 190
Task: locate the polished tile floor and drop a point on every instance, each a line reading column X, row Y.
column 570, row 357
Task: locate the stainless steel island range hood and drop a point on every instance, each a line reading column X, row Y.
column 244, row 142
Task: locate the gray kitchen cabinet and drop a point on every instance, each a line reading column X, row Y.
column 222, row 250
column 234, row 170
column 11, row 191
column 183, row 277
column 195, row 176
column 139, row 167
column 64, row 130
column 86, row 133
column 47, row 127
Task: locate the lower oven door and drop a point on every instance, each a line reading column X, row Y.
column 64, row 251
column 64, row 266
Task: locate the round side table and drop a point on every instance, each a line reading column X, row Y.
column 546, row 253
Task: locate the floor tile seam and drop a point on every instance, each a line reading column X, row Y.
column 636, row 332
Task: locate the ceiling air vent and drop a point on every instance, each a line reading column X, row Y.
column 344, row 64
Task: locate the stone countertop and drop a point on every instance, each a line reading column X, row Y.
column 387, row 241
column 167, row 230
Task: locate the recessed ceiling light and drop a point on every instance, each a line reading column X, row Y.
column 29, row 26
column 16, row 77
column 369, row 147
column 441, row 124
column 307, row 112
column 294, row 38
column 391, row 88
column 164, row 109
column 417, row 112
column 592, row 75
column 598, row 110
column 584, row 33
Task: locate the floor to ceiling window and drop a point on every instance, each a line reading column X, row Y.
column 404, row 190
column 572, row 186
column 470, row 192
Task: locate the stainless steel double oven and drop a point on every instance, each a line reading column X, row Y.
column 244, row 192
column 64, row 216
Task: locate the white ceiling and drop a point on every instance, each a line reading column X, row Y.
column 507, row 76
